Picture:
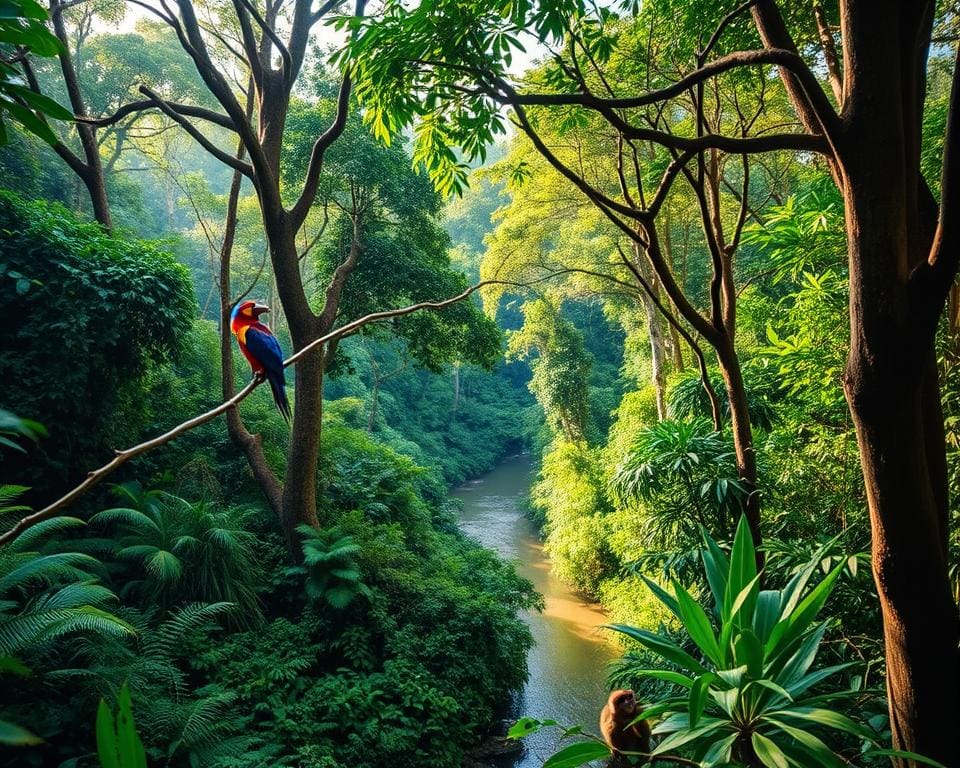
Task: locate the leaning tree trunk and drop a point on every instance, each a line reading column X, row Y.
column 90, row 171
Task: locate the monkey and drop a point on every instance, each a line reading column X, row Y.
column 620, row 710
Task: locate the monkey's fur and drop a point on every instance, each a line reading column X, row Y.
column 619, row 712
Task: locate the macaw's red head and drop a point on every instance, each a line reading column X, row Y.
column 248, row 312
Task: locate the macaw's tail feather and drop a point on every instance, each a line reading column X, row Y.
column 278, row 386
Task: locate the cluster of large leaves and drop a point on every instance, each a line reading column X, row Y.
column 23, row 29
column 682, row 475
column 329, row 567
column 561, row 367
column 420, row 68
column 173, row 551
column 752, row 693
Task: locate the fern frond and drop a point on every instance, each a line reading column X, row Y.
column 47, row 569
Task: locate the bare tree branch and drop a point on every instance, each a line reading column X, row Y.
column 144, row 105
column 224, row 157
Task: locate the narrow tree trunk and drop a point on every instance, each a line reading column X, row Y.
column 658, row 354
column 667, row 241
column 742, row 430
column 374, row 396
column 92, row 173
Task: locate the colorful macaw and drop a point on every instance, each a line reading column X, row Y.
column 261, row 349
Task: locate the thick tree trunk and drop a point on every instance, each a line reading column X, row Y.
column 891, row 377
column 303, row 453
column 909, row 559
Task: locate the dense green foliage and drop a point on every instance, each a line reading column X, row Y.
column 169, row 595
column 395, row 631
column 93, row 313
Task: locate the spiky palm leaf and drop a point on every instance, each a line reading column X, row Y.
column 179, row 552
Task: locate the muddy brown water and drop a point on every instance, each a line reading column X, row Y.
column 568, row 664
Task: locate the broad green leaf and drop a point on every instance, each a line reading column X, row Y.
column 766, row 614
column 828, row 718
column 768, row 752
column 132, row 754
column 719, row 752
column 663, row 596
column 524, row 727
column 715, row 566
column 15, row 736
column 578, row 754
column 698, row 697
column 662, row 646
column 697, row 624
column 743, row 566
column 107, row 748
column 824, row 755
column 747, row 651
column 771, row 686
column 795, row 624
column 666, row 675
column 711, row 727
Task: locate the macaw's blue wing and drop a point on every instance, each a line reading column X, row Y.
column 266, row 348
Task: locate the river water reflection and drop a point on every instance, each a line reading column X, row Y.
column 568, row 664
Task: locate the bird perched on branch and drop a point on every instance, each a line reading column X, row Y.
column 261, row 349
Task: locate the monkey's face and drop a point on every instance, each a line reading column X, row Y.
column 625, row 702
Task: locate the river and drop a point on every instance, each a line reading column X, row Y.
column 568, row 664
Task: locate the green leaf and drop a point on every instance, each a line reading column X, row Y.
column 106, row 737
column 796, row 623
column 16, row 736
column 812, row 744
column 698, row 697
column 525, row 726
column 661, row 646
column 828, row 718
column 748, row 651
column 743, row 566
column 132, row 754
column 697, row 624
column 666, row 675
column 719, row 752
column 716, row 567
column 663, row 596
column 711, row 727
column 768, row 752
column 578, row 754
